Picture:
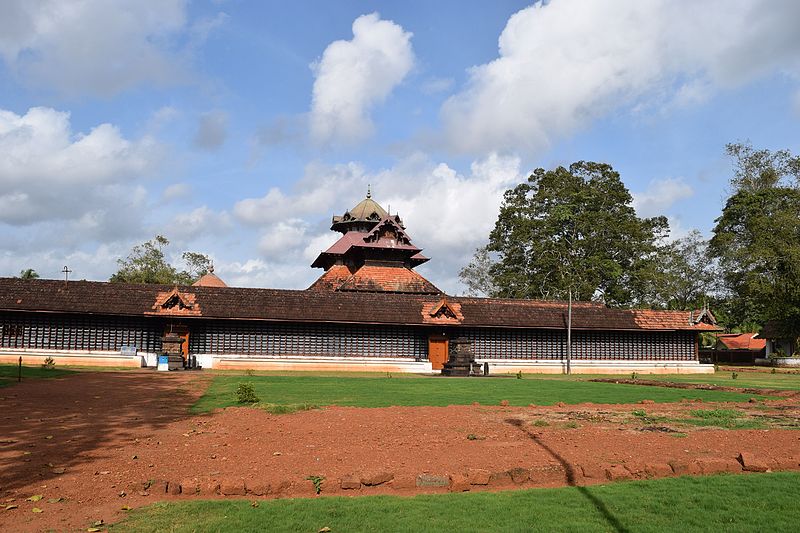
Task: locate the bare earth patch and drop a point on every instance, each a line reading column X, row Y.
column 93, row 444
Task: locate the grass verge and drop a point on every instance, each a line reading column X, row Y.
column 438, row 391
column 716, row 418
column 723, row 377
column 712, row 503
column 8, row 373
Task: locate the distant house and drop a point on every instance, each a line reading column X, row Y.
column 742, row 348
column 741, row 341
column 777, row 340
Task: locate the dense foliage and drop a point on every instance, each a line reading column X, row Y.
column 686, row 276
column 570, row 229
column 28, row 273
column 757, row 241
column 147, row 264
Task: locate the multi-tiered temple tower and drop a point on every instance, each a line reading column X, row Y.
column 374, row 254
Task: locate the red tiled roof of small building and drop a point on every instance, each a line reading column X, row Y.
column 742, row 341
column 209, row 280
column 102, row 298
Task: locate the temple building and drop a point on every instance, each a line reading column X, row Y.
column 369, row 310
column 374, row 254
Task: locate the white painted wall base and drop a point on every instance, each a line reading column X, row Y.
column 73, row 357
column 334, row 364
column 353, row 364
column 504, row 366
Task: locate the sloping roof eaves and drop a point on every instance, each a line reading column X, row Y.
column 324, row 306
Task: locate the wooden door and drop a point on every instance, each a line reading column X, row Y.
column 437, row 352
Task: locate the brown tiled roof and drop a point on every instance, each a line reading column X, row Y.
column 374, row 278
column 327, row 306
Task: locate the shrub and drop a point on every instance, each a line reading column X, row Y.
column 317, row 481
column 245, row 393
column 49, row 363
column 285, row 409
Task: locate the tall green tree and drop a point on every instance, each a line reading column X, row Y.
column 147, row 263
column 687, row 276
column 574, row 229
column 761, row 169
column 757, row 241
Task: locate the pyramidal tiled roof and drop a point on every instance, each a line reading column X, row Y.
column 374, row 278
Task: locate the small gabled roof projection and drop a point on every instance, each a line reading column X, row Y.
column 175, row 302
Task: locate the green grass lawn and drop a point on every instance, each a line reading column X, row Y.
column 437, row 391
column 724, row 377
column 758, row 502
column 8, row 373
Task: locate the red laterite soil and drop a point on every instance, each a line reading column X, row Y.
column 92, row 444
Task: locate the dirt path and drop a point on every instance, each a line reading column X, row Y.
column 104, row 441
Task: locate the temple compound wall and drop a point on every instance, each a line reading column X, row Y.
column 369, row 310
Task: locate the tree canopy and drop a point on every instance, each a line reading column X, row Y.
column 687, row 276
column 757, row 242
column 147, row 264
column 570, row 228
column 758, row 170
column 28, row 273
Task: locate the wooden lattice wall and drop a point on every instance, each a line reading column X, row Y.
column 107, row 333
column 79, row 332
column 593, row 345
column 270, row 339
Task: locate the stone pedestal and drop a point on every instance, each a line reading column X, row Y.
column 461, row 359
column 171, row 345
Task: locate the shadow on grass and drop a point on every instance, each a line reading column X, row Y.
column 569, row 469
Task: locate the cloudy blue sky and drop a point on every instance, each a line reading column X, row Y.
column 238, row 128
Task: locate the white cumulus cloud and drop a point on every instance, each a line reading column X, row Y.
column 352, row 76
column 660, row 195
column 92, row 46
column 47, row 172
column 447, row 213
column 564, row 63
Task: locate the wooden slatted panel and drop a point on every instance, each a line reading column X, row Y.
column 593, row 345
column 272, row 339
column 78, row 332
